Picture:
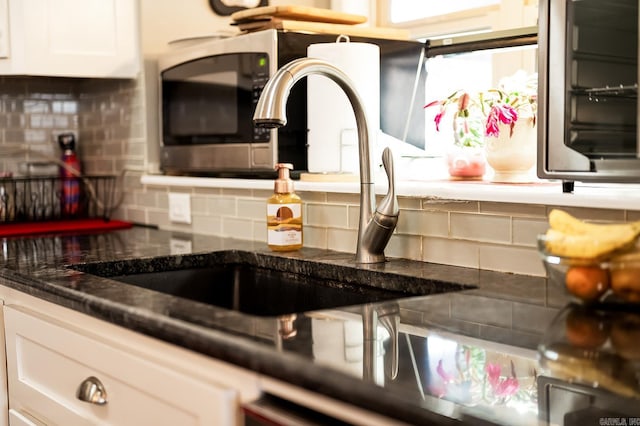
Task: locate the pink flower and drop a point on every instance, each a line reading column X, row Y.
column 437, row 119
column 440, row 114
column 445, row 376
column 507, row 387
column 493, row 373
column 501, row 387
column 502, row 113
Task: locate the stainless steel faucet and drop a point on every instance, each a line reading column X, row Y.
column 375, row 226
column 386, row 314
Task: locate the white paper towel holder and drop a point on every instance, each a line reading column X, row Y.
column 331, row 150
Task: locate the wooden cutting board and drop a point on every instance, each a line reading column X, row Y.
column 298, row 13
column 324, row 28
column 329, row 177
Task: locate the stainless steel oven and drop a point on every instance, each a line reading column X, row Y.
column 588, row 84
column 209, row 90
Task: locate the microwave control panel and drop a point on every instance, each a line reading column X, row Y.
column 260, row 134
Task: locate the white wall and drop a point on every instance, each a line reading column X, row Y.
column 165, row 20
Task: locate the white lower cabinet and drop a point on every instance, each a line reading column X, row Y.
column 17, row 418
column 50, row 364
column 128, row 378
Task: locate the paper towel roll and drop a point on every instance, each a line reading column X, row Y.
column 332, row 138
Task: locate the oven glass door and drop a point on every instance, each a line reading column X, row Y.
column 601, row 75
column 212, row 100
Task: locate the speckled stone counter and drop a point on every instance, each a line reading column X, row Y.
column 465, row 347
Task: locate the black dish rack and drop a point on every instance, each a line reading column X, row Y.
column 37, row 199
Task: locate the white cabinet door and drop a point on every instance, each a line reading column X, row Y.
column 73, row 38
column 4, row 395
column 17, row 418
column 47, row 362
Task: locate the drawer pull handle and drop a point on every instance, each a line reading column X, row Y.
column 92, row 390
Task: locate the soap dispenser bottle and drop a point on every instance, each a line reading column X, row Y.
column 284, row 213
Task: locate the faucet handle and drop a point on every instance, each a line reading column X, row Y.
column 389, row 204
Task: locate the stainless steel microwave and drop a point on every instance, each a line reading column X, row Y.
column 588, row 85
column 208, row 92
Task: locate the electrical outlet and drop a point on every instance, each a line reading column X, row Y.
column 179, row 207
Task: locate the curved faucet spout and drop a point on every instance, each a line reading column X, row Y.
column 271, row 112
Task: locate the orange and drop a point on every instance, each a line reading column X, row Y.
column 587, row 282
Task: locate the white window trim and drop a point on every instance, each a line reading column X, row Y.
column 508, row 15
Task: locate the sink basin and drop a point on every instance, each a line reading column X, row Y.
column 261, row 284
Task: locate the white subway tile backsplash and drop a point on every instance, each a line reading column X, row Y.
column 198, row 205
column 252, row 209
column 450, row 252
column 434, row 203
column 237, row 192
column 508, row 258
column 329, row 215
column 405, row 246
column 181, row 227
column 311, row 197
column 525, row 231
column 36, row 136
column 481, row 227
column 222, row 206
column 158, row 218
column 241, row 229
column 136, row 215
column 209, row 192
column 354, row 216
column 340, row 198
column 534, row 210
column 420, row 222
column 162, row 200
column 262, row 194
column 113, row 149
column 205, row 224
column 146, row 199
column 259, row 231
column 34, row 106
column 314, row 236
column 342, row 240
column 410, row 203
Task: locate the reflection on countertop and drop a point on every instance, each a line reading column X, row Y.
column 461, row 355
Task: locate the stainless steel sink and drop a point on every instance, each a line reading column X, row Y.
column 262, row 284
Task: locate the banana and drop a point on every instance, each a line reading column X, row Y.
column 562, row 221
column 589, row 246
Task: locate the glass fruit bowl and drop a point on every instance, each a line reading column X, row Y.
column 595, row 347
column 614, row 278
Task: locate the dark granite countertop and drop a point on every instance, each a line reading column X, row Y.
column 461, row 355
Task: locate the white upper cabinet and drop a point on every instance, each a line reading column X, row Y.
column 70, row 38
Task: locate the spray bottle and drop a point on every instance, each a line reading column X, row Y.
column 69, row 175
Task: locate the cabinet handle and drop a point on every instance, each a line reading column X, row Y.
column 92, row 390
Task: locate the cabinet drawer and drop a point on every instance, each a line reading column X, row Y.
column 48, row 361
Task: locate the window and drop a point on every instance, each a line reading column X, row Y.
column 411, row 10
column 473, row 71
column 437, row 18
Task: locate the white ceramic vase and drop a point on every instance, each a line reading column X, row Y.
column 512, row 155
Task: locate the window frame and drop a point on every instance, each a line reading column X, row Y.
column 509, row 14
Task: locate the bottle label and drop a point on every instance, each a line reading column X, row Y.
column 284, row 224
